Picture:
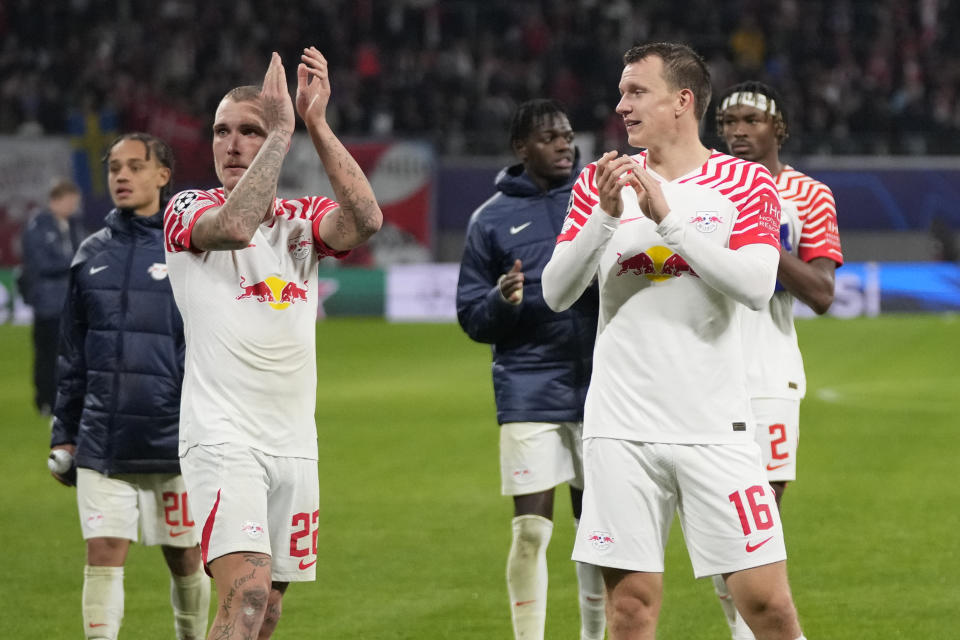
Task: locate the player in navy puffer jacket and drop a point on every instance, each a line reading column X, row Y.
column 542, row 360
column 121, row 353
column 121, row 369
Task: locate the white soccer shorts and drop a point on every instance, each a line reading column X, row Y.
column 247, row 500
column 727, row 509
column 778, row 434
column 536, row 456
column 117, row 506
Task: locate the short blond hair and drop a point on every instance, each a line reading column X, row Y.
column 246, row 93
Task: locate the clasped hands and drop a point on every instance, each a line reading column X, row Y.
column 614, row 172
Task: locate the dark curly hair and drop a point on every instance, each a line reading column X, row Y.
column 775, row 106
column 529, row 114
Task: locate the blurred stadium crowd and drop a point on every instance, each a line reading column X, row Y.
column 859, row 76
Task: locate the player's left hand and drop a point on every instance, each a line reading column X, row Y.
column 650, row 196
column 313, row 85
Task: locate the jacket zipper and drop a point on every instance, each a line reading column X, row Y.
column 124, row 295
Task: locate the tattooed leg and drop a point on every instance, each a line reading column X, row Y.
column 272, row 616
column 243, row 589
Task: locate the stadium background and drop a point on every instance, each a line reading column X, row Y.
column 422, row 92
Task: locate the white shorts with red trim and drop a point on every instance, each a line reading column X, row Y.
column 726, row 507
column 536, row 456
column 247, row 500
column 778, row 434
column 153, row 503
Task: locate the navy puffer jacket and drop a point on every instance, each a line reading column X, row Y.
column 541, row 359
column 121, row 352
column 47, row 253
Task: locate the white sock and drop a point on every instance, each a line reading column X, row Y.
column 593, row 619
column 102, row 602
column 741, row 630
column 527, row 576
column 726, row 603
column 190, row 597
column 738, row 626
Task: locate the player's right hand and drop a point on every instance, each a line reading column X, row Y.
column 275, row 99
column 613, row 174
column 511, row 283
column 68, row 477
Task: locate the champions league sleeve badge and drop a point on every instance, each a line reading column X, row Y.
column 181, row 207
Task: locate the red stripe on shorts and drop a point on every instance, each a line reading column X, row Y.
column 205, row 537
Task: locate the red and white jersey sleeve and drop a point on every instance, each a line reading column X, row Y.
column 183, row 211
column 583, row 197
column 817, row 211
column 668, row 363
column 250, row 322
column 313, row 209
column 808, row 230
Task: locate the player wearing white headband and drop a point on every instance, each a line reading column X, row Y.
column 753, row 123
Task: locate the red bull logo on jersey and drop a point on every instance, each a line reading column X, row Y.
column 656, row 264
column 601, row 540
column 299, row 248
column 278, row 293
column 706, row 221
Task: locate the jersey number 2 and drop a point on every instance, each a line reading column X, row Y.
column 175, row 509
column 307, row 524
column 776, row 442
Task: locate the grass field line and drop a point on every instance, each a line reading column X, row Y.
column 929, row 394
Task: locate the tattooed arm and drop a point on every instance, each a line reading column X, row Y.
column 239, row 127
column 358, row 217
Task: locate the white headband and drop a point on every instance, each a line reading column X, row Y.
column 750, row 99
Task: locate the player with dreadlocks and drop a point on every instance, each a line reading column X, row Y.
column 752, row 121
column 541, row 360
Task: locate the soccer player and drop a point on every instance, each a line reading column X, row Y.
column 752, row 121
column 541, row 359
column 681, row 238
column 49, row 242
column 118, row 401
column 243, row 265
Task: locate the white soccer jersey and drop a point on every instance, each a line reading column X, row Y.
column 808, row 230
column 668, row 363
column 249, row 321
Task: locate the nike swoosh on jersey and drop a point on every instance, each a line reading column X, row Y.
column 753, row 547
column 774, row 467
column 517, row 229
column 95, row 270
column 174, row 534
column 307, row 565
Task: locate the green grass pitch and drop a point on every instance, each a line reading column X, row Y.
column 414, row 533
